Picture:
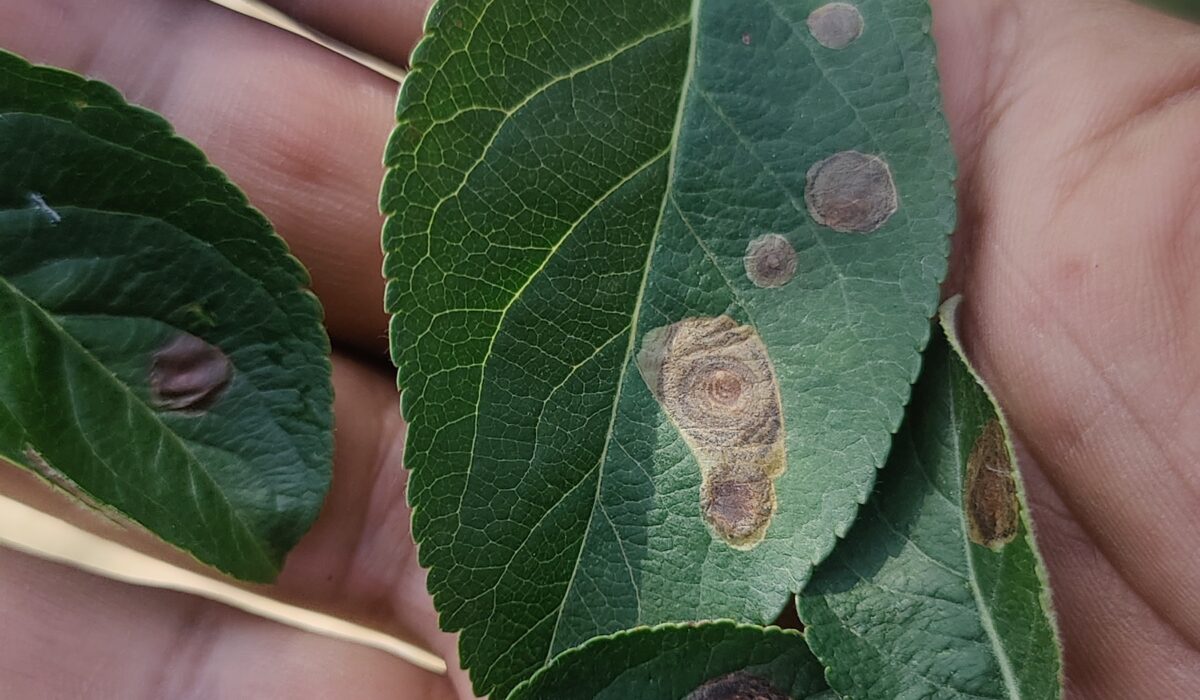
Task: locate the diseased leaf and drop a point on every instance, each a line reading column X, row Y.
column 938, row 590
column 709, row 661
column 159, row 354
column 660, row 272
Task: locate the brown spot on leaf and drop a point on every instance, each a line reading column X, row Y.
column 770, row 261
column 851, row 192
column 715, row 381
column 188, row 374
column 836, row 25
column 991, row 492
column 737, row 686
column 742, row 508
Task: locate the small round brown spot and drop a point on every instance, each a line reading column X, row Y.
column 737, row 686
column 990, row 499
column 851, row 192
column 770, row 261
column 836, row 25
column 189, row 374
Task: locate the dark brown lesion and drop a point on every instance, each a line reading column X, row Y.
column 739, row 685
column 189, row 374
column 851, row 192
column 990, row 499
column 716, row 383
column 740, row 507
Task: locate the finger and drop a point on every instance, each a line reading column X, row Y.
column 67, row 634
column 359, row 561
column 1101, row 617
column 976, row 42
column 1080, row 298
column 386, row 29
column 299, row 128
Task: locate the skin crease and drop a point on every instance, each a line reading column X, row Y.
column 1075, row 125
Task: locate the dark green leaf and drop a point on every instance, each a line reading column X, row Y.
column 938, row 590
column 569, row 179
column 695, row 662
column 159, row 354
column 1184, row 8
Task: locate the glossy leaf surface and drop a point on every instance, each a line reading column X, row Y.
column 920, row 600
column 159, row 354
column 574, row 189
column 698, row 662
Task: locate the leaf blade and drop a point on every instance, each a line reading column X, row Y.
column 674, row 661
column 121, row 243
column 548, row 487
column 910, row 602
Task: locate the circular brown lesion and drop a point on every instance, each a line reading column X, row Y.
column 724, row 387
column 189, row 374
column 851, row 192
column 836, row 25
column 770, row 261
column 726, row 400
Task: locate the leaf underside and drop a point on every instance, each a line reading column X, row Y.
column 909, row 606
column 669, row 662
column 159, row 354
column 567, row 178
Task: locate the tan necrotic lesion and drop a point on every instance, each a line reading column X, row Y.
column 990, row 499
column 715, row 381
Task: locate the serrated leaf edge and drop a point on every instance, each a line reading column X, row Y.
column 948, row 318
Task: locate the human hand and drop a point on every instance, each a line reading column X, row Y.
column 1076, row 124
column 301, row 129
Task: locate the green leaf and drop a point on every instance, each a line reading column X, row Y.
column 1189, row 9
column 911, row 604
column 159, row 354
column 567, row 182
column 694, row 662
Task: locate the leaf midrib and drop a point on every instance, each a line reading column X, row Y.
column 685, row 87
column 233, row 269
column 197, row 466
column 553, row 250
column 985, row 612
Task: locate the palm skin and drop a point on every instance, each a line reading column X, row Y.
column 1077, row 126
